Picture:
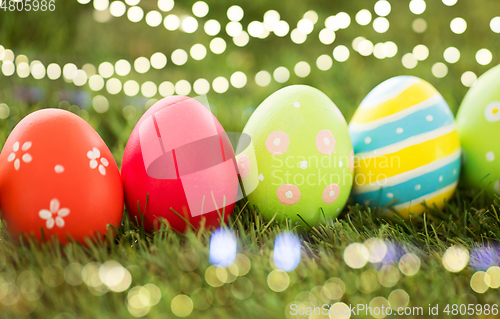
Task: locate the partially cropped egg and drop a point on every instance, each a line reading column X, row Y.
column 58, row 178
column 478, row 120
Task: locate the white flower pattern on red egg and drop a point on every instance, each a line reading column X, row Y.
column 54, row 215
column 97, row 161
column 26, row 157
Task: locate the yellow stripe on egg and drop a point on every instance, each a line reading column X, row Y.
column 438, row 197
column 413, row 95
column 382, row 166
column 406, row 176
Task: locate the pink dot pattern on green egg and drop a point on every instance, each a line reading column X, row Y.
column 288, row 194
column 244, row 166
column 277, row 142
column 331, row 193
column 325, row 142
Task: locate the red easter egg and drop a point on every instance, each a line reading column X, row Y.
column 58, row 177
column 179, row 158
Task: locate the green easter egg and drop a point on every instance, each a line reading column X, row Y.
column 478, row 121
column 301, row 162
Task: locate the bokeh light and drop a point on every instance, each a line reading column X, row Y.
column 278, row 280
column 158, row 60
column 356, row 255
column 341, row 53
column 439, row 70
column 235, row 13
column 80, row 78
column 141, row 65
column 220, row 84
column 113, row 86
column 458, row 25
column 286, row 254
column 218, row 45
column 409, row 61
column 342, row 20
column 69, row 70
column 23, row 70
column 363, row 17
column 381, row 25
column 241, row 39
column 181, row 305
column 101, row 105
column 326, row 36
column 495, row 24
column 420, row 52
column 419, row 25
column 298, row 37
column 172, row 22
column 179, row 57
column 200, row 9
column 388, row 276
column 409, row 264
column 122, row 67
column 201, row 86
column 106, row 70
column 223, row 246
column 234, row 28
column 96, row 82
column 451, row 55
column 166, row 5
column 212, row 27
column 305, row 26
column 263, row 78
column 238, row 79
column 131, row 88
column 135, row 14
column 117, row 9
column 189, row 24
column 340, row 310
column 494, row 273
column 182, row 87
column 281, row 28
column 166, row 89
column 154, row 18
column 198, row 52
column 324, row 62
column 468, row 78
column 417, row 6
column 148, row 89
column 456, row 258
column 484, row 56
column 480, row 282
column 382, row 8
column 399, row 298
column 281, row 74
column 271, row 18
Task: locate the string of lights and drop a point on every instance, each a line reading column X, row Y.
column 102, row 76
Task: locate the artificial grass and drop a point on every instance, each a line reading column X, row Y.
column 46, row 281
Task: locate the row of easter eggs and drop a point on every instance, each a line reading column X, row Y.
column 295, row 159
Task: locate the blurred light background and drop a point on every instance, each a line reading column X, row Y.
column 108, row 61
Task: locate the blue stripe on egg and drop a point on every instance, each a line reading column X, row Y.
column 431, row 118
column 413, row 188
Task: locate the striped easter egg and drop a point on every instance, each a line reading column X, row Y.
column 406, row 145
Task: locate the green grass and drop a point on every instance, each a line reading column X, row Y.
column 35, row 281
